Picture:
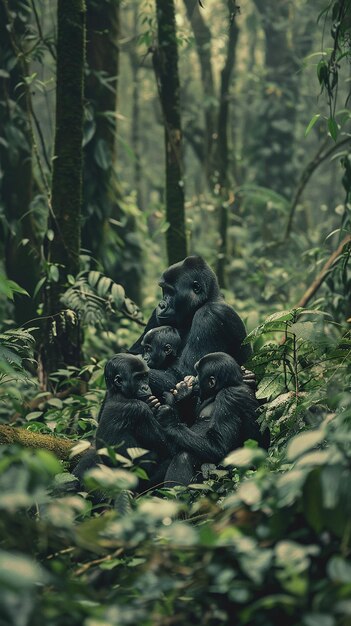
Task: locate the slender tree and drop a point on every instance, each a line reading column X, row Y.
column 22, row 238
column 61, row 343
column 202, row 36
column 166, row 69
column 272, row 145
column 222, row 142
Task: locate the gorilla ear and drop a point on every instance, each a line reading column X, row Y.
column 168, row 348
column 117, row 380
column 194, row 262
column 211, row 382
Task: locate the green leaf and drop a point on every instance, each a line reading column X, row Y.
column 54, row 273
column 80, row 447
column 118, row 295
column 330, row 476
column 333, row 128
column 93, row 278
column 16, row 288
column 136, row 453
column 39, row 285
column 339, row 570
column 56, row 402
column 245, row 457
column 102, row 154
column 303, row 442
column 103, row 285
column 111, row 479
column 34, row 415
column 312, row 123
column 271, row 385
column 19, row 572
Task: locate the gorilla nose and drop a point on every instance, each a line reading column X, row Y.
column 162, row 305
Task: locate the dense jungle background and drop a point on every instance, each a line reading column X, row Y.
column 133, row 133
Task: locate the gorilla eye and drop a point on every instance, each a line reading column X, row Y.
column 196, row 287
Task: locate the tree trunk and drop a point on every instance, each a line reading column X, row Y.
column 99, row 193
column 202, row 36
column 166, row 69
column 223, row 180
column 102, row 193
column 21, row 261
column 61, row 344
column 274, row 126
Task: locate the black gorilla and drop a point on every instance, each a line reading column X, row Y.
column 125, row 420
column 192, row 303
column 161, row 347
column 225, row 417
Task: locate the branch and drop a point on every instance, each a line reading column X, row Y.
column 322, row 274
column 59, row 446
column 305, row 177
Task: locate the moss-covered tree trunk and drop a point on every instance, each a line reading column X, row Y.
column 222, row 152
column 166, row 68
column 61, row 343
column 21, row 251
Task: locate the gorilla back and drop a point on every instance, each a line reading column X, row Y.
column 192, row 303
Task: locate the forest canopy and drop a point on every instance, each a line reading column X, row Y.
column 135, row 134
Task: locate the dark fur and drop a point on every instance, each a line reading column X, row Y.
column 164, row 372
column 125, row 420
column 225, row 418
column 204, row 321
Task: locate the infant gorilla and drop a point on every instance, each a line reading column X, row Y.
column 225, row 417
column 126, row 420
column 161, row 348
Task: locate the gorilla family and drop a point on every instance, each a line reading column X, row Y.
column 192, row 303
column 154, row 401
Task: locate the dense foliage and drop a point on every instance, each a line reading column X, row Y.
column 266, row 538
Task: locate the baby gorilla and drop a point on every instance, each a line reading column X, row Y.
column 125, row 419
column 161, row 347
column 225, row 417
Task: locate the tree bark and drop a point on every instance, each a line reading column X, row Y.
column 222, row 145
column 166, row 68
column 102, row 193
column 61, row 343
column 202, row 36
column 274, row 126
column 21, row 261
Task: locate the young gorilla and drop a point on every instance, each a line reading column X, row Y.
column 193, row 304
column 125, row 420
column 160, row 351
column 225, row 417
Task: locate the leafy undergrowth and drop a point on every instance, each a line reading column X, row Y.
column 264, row 541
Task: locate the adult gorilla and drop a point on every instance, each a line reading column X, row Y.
column 193, row 304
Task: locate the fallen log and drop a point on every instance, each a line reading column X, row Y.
column 59, row 446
